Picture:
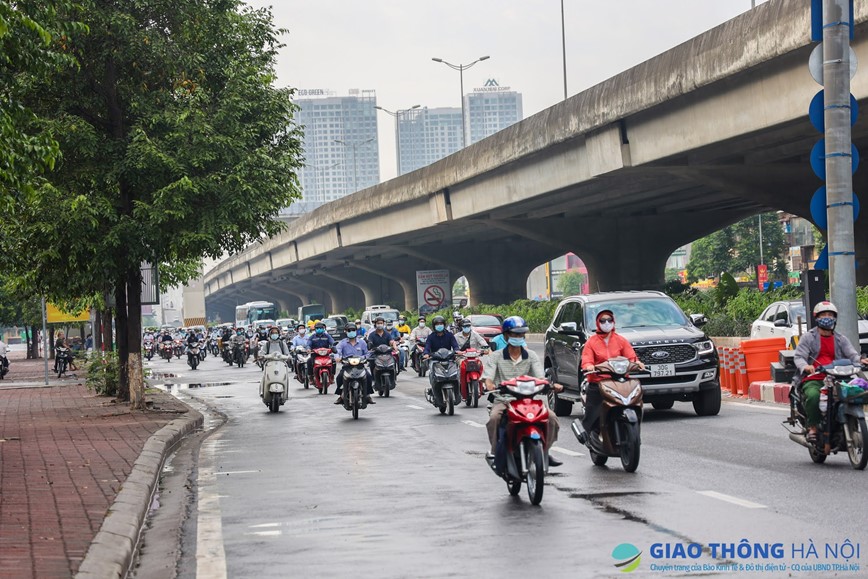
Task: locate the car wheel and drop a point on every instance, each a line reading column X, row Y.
column 560, row 406
column 663, row 404
column 707, row 402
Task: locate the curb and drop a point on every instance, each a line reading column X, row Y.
column 112, row 550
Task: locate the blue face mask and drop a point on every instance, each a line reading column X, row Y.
column 439, row 328
column 826, row 323
column 517, row 342
column 351, row 334
column 320, row 330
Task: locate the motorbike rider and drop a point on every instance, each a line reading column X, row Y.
column 516, row 360
column 396, row 337
column 402, row 326
column 274, row 345
column 349, row 347
column 238, row 339
column 300, row 339
column 360, row 329
column 456, row 322
column 192, row 340
column 469, row 338
column 600, row 347
column 818, row 347
column 380, row 337
column 61, row 342
column 439, row 338
column 419, row 334
column 319, row 339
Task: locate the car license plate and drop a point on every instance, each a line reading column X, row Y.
column 662, row 370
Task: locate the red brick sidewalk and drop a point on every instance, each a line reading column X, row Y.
column 64, row 454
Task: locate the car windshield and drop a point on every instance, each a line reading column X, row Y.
column 484, row 320
column 639, row 313
column 330, row 323
column 388, row 316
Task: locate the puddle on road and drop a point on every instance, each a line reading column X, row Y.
column 173, row 388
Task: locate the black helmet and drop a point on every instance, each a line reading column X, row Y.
column 438, row 320
column 319, row 325
column 380, row 319
column 350, row 327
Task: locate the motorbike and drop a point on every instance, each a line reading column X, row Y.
column 274, row 386
column 178, row 348
column 322, row 369
column 354, row 383
column 260, row 360
column 416, row 361
column 471, row 377
column 213, row 347
column 239, row 354
column 62, row 360
column 193, row 355
column 302, row 355
column 167, row 350
column 149, row 350
column 445, row 393
column 385, row 370
column 843, row 426
column 404, row 348
column 4, row 366
column 228, row 355
column 521, row 444
column 620, row 415
column 203, row 351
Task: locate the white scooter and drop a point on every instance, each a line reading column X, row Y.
column 274, row 387
column 404, row 347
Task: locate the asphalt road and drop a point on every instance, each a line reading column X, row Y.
column 405, row 491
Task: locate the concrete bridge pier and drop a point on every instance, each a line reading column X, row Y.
column 500, row 271
column 377, row 288
column 334, row 296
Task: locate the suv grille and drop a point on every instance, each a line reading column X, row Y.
column 678, row 353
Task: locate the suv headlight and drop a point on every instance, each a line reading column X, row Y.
column 704, row 347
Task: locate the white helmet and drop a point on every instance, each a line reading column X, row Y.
column 825, row 306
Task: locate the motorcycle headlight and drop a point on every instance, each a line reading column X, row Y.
column 705, row 347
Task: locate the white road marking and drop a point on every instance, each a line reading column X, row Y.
column 734, row 500
column 263, row 525
column 266, row 533
column 210, row 556
column 565, row 451
column 237, row 471
column 473, row 424
column 415, row 407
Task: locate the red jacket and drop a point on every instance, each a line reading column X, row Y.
column 596, row 351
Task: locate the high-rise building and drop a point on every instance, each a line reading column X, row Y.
column 330, row 170
column 427, row 135
column 491, row 108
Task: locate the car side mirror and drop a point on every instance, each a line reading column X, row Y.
column 570, row 328
column 698, row 320
column 781, row 324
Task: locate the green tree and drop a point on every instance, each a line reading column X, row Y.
column 711, row 255
column 32, row 42
column 570, row 283
column 176, row 146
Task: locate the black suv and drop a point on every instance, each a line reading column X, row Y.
column 681, row 360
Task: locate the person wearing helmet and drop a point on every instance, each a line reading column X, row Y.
column 418, row 337
column 274, row 345
column 604, row 344
column 515, row 360
column 380, row 337
column 467, row 337
column 360, row 329
column 349, row 347
column 402, row 326
column 299, row 340
column 319, row 339
column 818, row 347
column 439, row 338
column 456, row 322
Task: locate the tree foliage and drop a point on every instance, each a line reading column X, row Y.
column 176, row 145
column 570, row 283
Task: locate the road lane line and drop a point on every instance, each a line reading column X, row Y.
column 415, row 407
column 266, row 533
column 263, row 525
column 565, row 451
column 237, row 471
column 210, row 556
column 473, row 424
column 734, row 500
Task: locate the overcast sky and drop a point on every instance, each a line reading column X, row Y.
column 387, row 45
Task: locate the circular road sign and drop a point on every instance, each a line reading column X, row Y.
column 434, row 295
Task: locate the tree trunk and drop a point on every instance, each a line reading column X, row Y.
column 97, row 331
column 121, row 338
column 28, row 340
column 107, row 338
column 134, row 339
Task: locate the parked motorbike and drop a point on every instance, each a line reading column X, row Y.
column 620, row 415
column 521, row 445
column 193, row 356
column 322, row 369
column 385, row 370
column 354, row 381
column 416, row 361
column 148, row 348
column 62, row 360
column 445, row 393
column 843, row 427
column 300, row 359
column 274, row 386
column 471, row 377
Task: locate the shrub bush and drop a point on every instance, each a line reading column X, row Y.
column 103, row 373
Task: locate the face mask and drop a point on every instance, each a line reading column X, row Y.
column 607, row 326
column 826, row 323
column 275, row 336
column 517, row 342
column 421, row 324
column 439, row 327
column 320, row 330
column 301, row 331
column 351, row 334
column 389, row 327
column 466, row 329
column 379, row 326
column 402, row 322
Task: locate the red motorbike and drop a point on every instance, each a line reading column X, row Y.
column 521, row 443
column 323, row 367
column 471, row 377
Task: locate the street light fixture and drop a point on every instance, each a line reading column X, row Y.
column 355, row 145
column 319, row 170
column 397, row 115
column 461, row 68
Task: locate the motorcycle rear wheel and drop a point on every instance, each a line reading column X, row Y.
column 630, row 447
column 858, row 435
column 598, row 459
column 536, row 472
column 816, row 456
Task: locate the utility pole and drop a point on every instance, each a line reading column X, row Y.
column 564, row 47
column 839, row 161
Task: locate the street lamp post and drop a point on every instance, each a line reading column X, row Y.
column 461, row 68
column 564, row 47
column 355, row 145
column 319, row 171
column 397, row 115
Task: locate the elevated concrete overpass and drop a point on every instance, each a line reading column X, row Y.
column 695, row 139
